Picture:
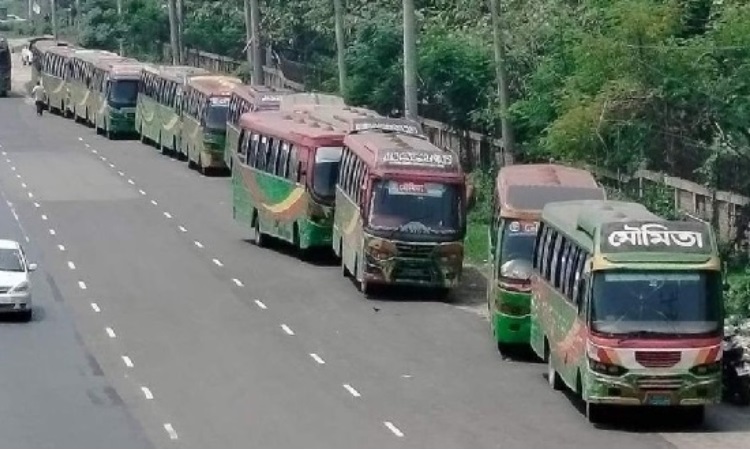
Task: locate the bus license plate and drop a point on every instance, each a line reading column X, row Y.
column 658, row 399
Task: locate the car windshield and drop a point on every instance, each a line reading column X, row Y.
column 216, row 117
column 327, row 161
column 415, row 207
column 123, row 93
column 11, row 261
column 517, row 245
column 660, row 302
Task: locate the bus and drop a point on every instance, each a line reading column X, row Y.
column 520, row 193
column 54, row 66
column 311, row 100
column 400, row 214
column 285, row 173
column 158, row 112
column 114, row 93
column 5, row 67
column 204, row 120
column 627, row 307
column 83, row 104
column 247, row 98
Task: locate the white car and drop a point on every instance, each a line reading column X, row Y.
column 15, row 289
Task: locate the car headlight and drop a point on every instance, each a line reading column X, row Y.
column 20, row 287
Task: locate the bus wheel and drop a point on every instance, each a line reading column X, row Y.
column 695, row 415
column 109, row 133
column 594, row 412
column 552, row 376
column 258, row 237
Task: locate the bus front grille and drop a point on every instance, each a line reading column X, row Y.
column 660, row 383
column 414, row 251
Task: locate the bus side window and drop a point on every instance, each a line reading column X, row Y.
column 563, row 265
column 283, row 168
column 293, row 163
column 538, row 246
column 570, row 270
column 549, row 254
column 578, row 283
column 346, row 161
column 261, row 155
column 556, row 260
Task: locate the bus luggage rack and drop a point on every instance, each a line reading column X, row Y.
column 658, row 359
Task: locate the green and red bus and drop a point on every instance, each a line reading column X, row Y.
column 627, row 307
column 51, row 66
column 158, row 114
column 400, row 216
column 520, row 193
column 205, row 108
column 285, row 174
column 248, row 98
column 114, row 94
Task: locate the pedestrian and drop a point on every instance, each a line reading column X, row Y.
column 38, row 94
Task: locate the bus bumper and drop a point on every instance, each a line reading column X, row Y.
column 682, row 389
column 511, row 329
column 213, row 159
column 315, row 235
column 122, row 123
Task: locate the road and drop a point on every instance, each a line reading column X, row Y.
column 192, row 337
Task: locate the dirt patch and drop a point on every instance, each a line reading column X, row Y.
column 471, row 294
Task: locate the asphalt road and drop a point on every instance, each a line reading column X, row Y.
column 208, row 341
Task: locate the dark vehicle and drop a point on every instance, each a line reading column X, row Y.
column 5, row 68
column 735, row 372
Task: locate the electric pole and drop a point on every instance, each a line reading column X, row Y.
column 121, row 40
column 173, row 32
column 338, row 10
column 502, row 81
column 248, row 36
column 53, row 17
column 78, row 18
column 257, row 77
column 410, row 62
column 180, row 29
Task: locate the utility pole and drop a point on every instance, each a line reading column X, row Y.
column 502, row 81
column 257, row 77
column 53, row 17
column 248, row 35
column 31, row 11
column 338, row 10
column 119, row 16
column 173, row 32
column 180, row 28
column 78, row 17
column 410, row 62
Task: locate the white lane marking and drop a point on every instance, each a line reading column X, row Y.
column 7, row 160
column 44, row 216
column 317, row 358
column 61, row 247
column 23, row 185
column 27, row 239
column 393, row 429
column 121, row 173
column 93, row 150
column 110, row 332
column 95, row 307
column 82, row 285
column 153, row 202
column 170, row 431
column 167, row 215
column 5, row 153
column 218, row 263
column 183, row 229
column 198, row 244
column 287, row 330
column 36, row 205
column 147, row 393
column 80, row 138
column 128, row 362
column 112, row 166
column 237, row 282
column 52, row 231
column 141, row 191
column 104, row 158
column 352, row 391
column 31, row 195
column 131, row 182
column 87, row 145
column 13, row 168
column 18, row 175
column 260, row 304
column 71, row 266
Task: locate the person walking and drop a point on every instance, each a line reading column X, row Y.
column 38, row 94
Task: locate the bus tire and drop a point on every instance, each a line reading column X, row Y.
column 258, row 236
column 553, row 377
column 695, row 415
column 594, row 412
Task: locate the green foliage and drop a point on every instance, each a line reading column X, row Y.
column 737, row 298
column 101, row 28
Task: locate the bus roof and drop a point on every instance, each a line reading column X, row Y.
column 63, row 50
column 95, row 56
column 219, row 85
column 310, row 99
column 523, row 190
column 340, row 117
column 263, row 97
column 175, row 73
column 123, row 69
column 293, row 127
column 626, row 232
column 43, row 43
column 396, row 146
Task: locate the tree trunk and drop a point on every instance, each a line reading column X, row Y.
column 410, row 61
column 502, row 82
column 338, row 9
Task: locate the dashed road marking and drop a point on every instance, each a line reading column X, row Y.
column 36, row 205
column 183, row 229
column 198, row 244
column 237, row 282
column 52, row 231
column 61, row 247
column 95, row 307
column 5, row 153
column 87, row 145
column 80, row 138
column 260, row 304
column 128, row 362
column 170, row 431
column 82, row 285
column 110, row 332
column 167, row 215
column 218, row 263
column 153, row 202
column 31, row 195
column 141, row 191
column 18, row 175
column 112, row 166
column 131, row 182
column 317, row 358
column 121, row 173
column 23, row 185
column 71, row 266
column 44, row 216
column 7, row 160
column 93, row 150
column 352, row 391
column 287, row 330
column 104, row 158
column 147, row 393
column 13, row 168
column 393, row 429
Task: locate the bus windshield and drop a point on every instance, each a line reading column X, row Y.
column 123, row 93
column 656, row 302
column 517, row 249
column 327, row 161
column 415, row 208
column 216, row 117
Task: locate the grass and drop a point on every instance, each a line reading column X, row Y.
column 476, row 242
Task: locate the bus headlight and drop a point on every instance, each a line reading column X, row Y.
column 706, row 369
column 380, row 249
column 612, row 370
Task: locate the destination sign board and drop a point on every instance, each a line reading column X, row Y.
column 523, row 227
column 384, row 124
column 669, row 237
column 417, row 158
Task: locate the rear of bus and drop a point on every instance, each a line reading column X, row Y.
column 521, row 192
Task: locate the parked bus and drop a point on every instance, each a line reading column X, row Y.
column 247, row 98
column 54, row 72
column 400, row 215
column 158, row 113
column 312, row 100
column 627, row 307
column 84, row 104
column 521, row 191
column 5, row 67
column 285, row 173
column 204, row 120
